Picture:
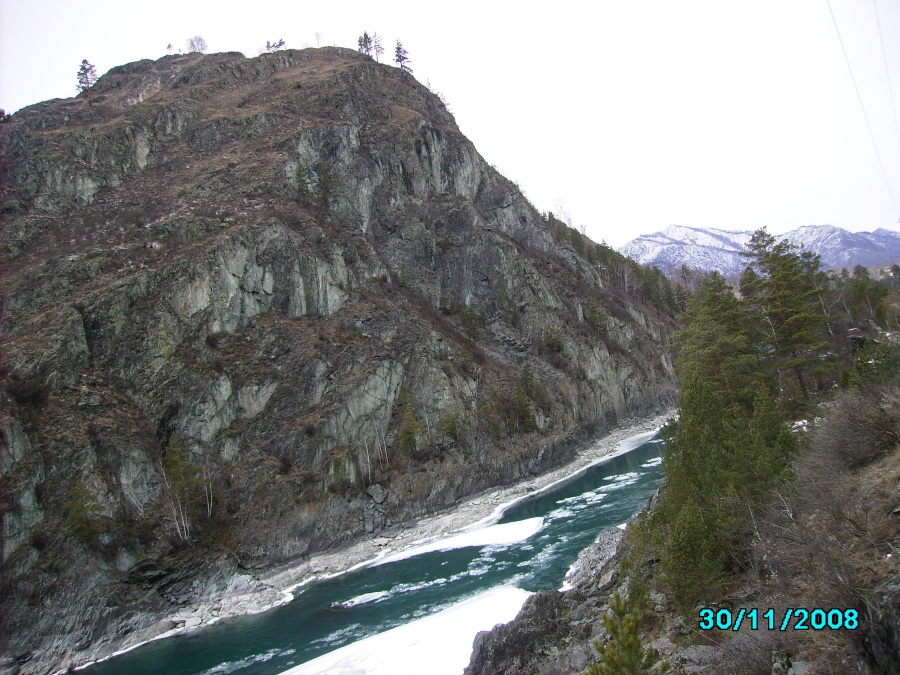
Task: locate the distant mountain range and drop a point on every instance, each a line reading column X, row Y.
column 711, row 249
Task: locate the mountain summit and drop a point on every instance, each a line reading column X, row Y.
column 259, row 308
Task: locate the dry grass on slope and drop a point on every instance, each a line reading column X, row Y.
column 831, row 541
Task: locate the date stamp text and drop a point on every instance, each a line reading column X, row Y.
column 793, row 618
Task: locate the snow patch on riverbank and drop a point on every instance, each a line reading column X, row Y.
column 443, row 641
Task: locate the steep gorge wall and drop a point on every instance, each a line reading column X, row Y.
column 298, row 270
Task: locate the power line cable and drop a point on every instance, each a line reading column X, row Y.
column 887, row 72
column 865, row 116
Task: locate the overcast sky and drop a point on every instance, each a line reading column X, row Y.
column 630, row 115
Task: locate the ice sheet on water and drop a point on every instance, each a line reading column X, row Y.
column 338, row 635
column 494, row 535
column 442, row 640
column 398, row 589
column 234, row 666
column 366, row 598
column 622, row 480
column 581, row 501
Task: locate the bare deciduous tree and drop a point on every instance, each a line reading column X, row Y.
column 377, row 47
column 197, row 44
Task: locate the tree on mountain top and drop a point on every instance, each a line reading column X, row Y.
column 377, row 47
column 196, row 44
column 87, row 76
column 364, row 43
column 401, row 57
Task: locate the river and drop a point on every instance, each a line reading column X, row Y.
column 434, row 597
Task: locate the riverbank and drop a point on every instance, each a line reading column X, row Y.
column 476, row 511
column 248, row 594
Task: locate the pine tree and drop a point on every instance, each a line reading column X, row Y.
column 325, row 182
column 401, row 57
column 692, row 563
column 364, row 43
column 623, row 653
column 786, row 303
column 720, row 460
column 87, row 76
column 81, row 513
column 524, row 410
column 718, row 345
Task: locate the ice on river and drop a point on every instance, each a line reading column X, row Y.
column 495, row 535
column 437, row 644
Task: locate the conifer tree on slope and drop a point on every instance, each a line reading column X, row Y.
column 87, row 76
column 718, row 346
column 784, row 299
column 401, row 57
column 364, row 43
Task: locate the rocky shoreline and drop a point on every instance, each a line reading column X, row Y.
column 554, row 631
column 234, row 592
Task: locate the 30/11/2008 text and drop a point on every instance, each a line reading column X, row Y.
column 795, row 618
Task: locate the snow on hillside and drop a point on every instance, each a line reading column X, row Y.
column 711, row 249
column 701, row 248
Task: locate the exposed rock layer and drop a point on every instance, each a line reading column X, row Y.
column 295, row 272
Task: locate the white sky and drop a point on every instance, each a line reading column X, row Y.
column 631, row 115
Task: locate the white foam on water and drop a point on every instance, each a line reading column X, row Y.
column 233, row 666
column 338, row 635
column 656, row 461
column 438, row 644
column 562, row 514
column 495, row 535
column 622, row 480
column 622, row 448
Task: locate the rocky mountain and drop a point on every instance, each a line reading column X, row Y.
column 259, row 308
column 711, row 249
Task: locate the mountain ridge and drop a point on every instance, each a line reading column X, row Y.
column 712, row 249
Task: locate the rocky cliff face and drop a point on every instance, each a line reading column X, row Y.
column 255, row 308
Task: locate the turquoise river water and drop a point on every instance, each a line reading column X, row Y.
column 327, row 615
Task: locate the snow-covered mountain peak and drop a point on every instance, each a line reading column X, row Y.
column 711, row 249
